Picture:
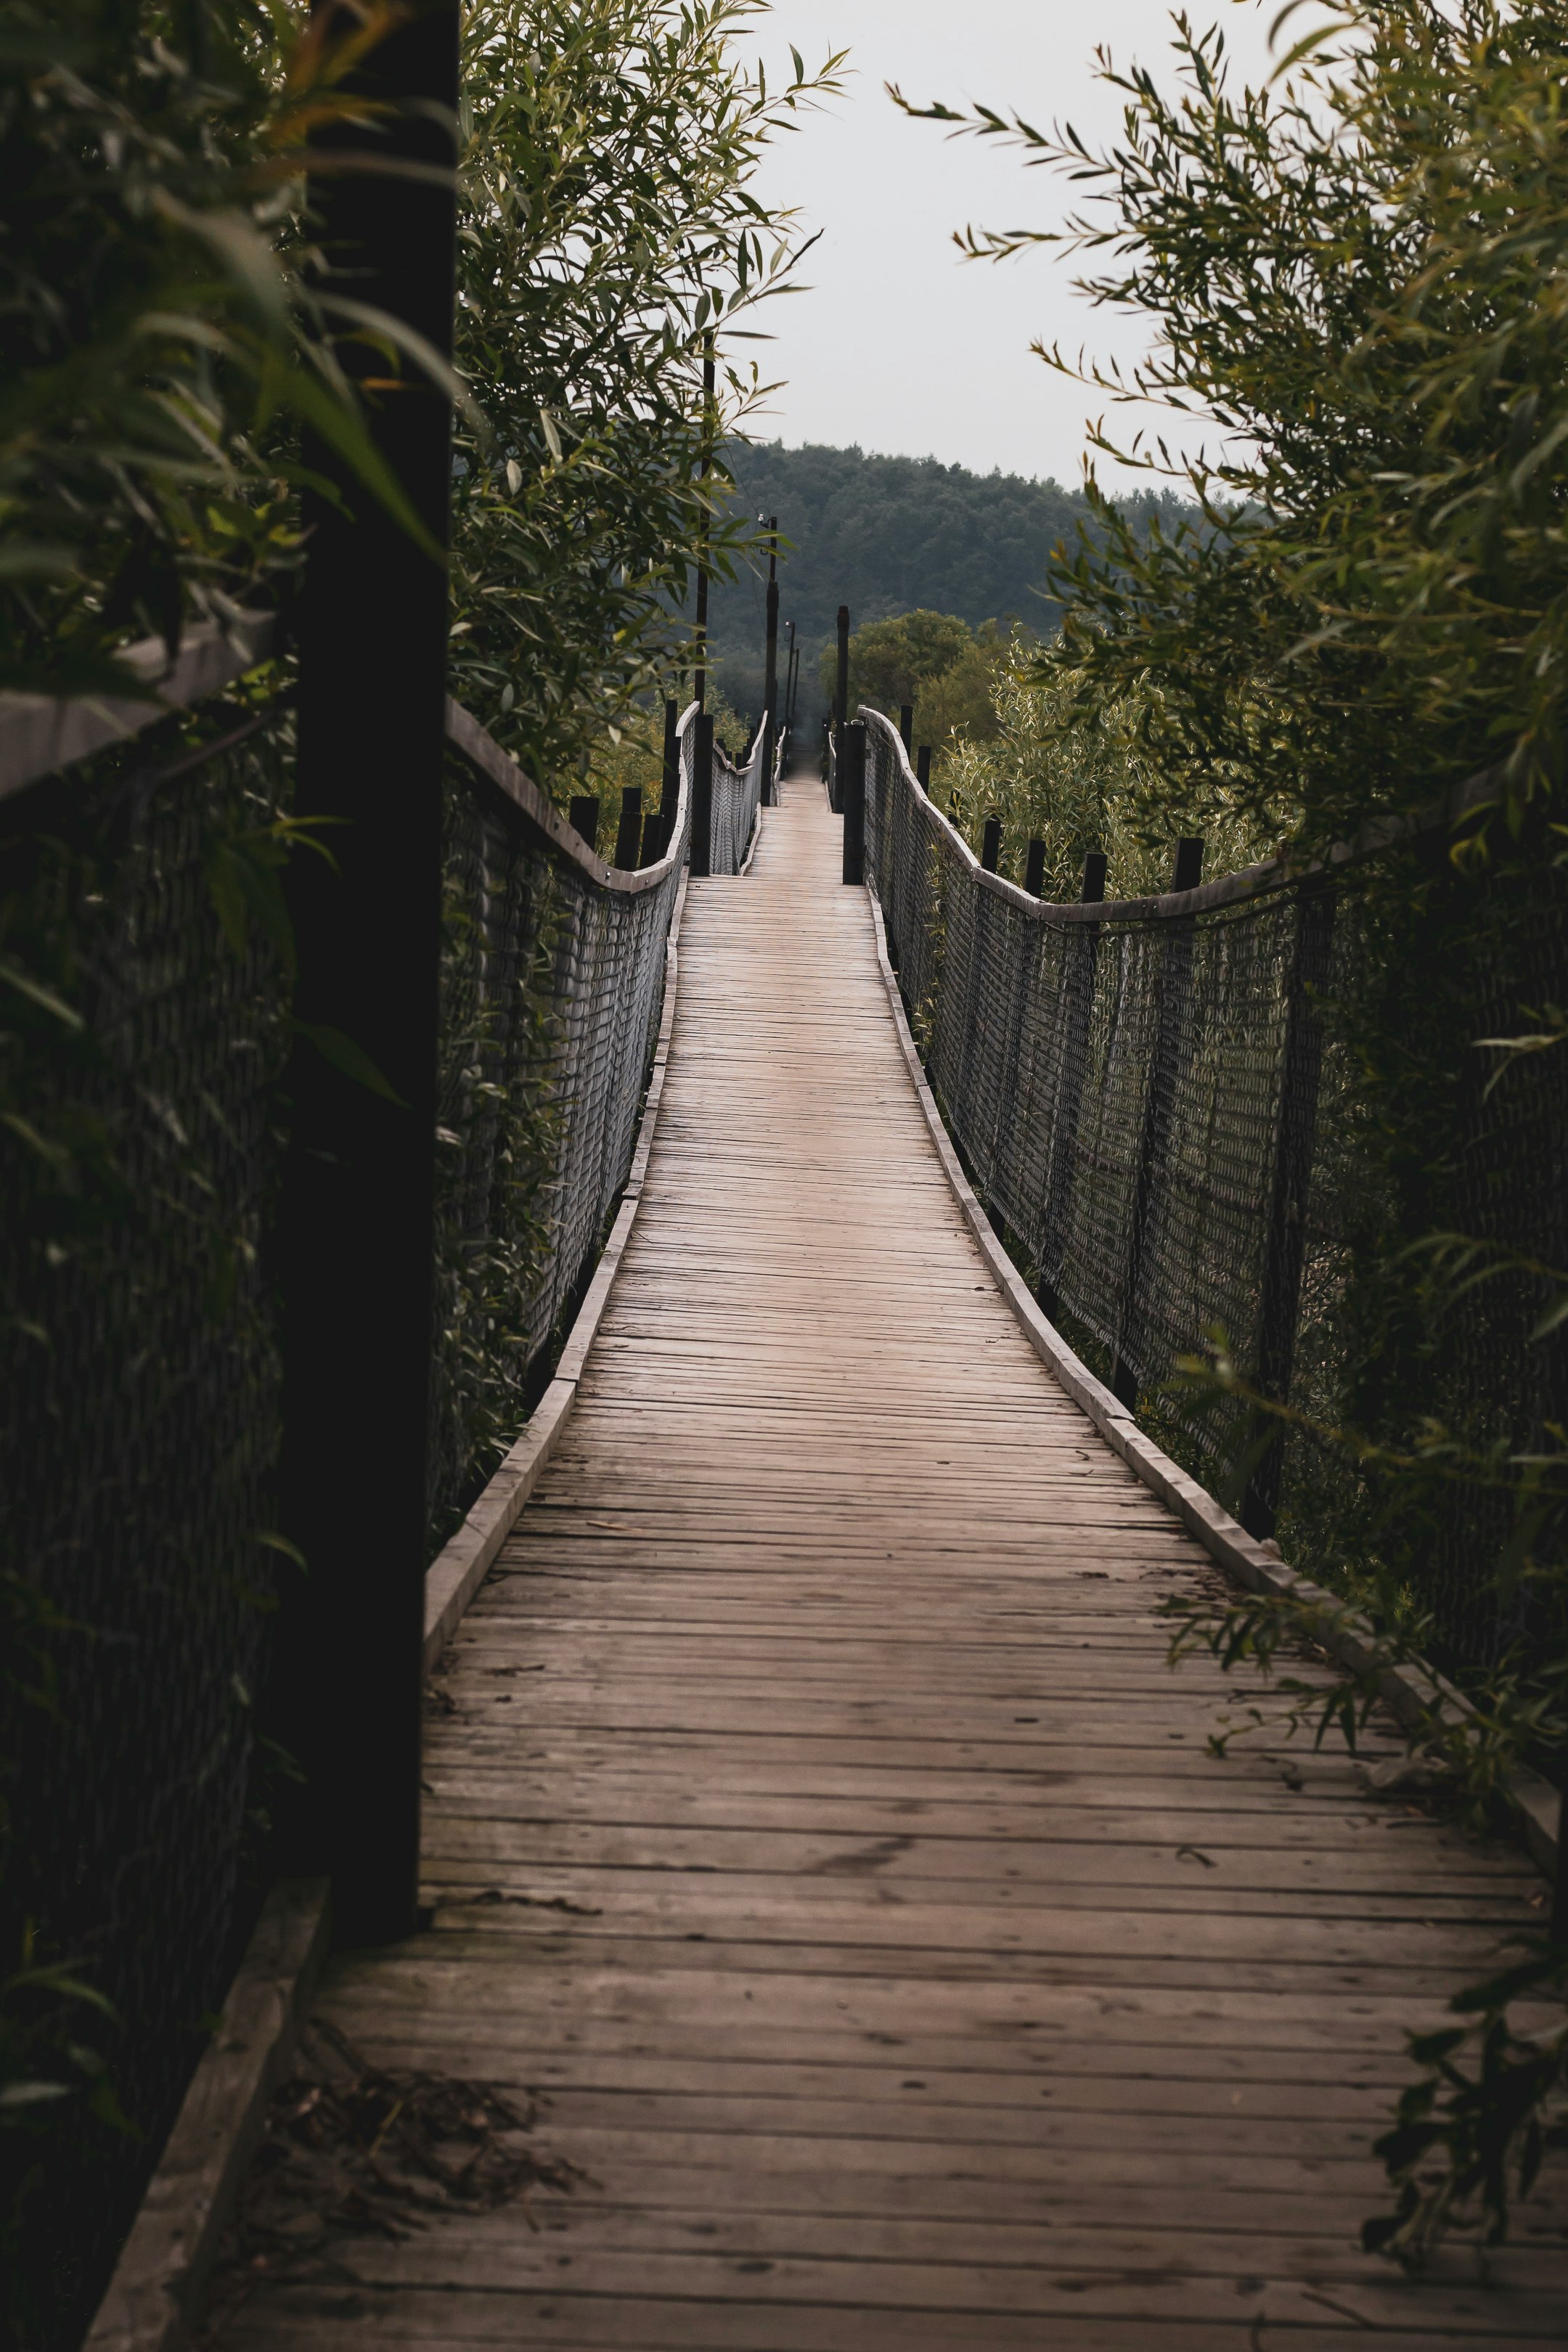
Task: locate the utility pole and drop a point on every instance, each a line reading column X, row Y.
column 700, row 677
column 770, row 673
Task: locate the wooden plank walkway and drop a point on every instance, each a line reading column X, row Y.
column 819, row 1825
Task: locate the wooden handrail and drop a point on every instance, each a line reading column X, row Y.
column 42, row 733
column 479, row 747
column 1269, row 875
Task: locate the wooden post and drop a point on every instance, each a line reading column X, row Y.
column 906, row 724
column 357, row 1217
column 1188, row 869
column 1034, row 867
column 703, row 797
column 1076, row 1020
column 628, row 833
column 655, row 838
column 1159, row 1109
column 841, row 686
column 670, row 792
column 1285, row 1245
column 922, row 768
column 583, row 814
column 852, row 793
column 991, row 843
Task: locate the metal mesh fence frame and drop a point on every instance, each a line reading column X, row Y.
column 138, row 1446
column 739, row 794
column 553, row 988
column 1166, row 1117
column 140, row 1437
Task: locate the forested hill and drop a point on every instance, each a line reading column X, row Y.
column 886, row 535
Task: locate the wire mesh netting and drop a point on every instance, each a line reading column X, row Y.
column 137, row 1446
column 1176, row 1120
column 739, row 793
column 144, row 1079
column 553, row 985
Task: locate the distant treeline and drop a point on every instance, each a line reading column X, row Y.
column 885, row 536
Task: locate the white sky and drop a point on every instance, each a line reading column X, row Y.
column 901, row 344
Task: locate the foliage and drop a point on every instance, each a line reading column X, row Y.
column 1356, row 276
column 160, row 347
column 607, row 231
column 886, row 535
column 1464, row 2147
column 1078, row 780
column 498, row 1126
column 1468, row 2140
column 891, row 661
column 948, row 672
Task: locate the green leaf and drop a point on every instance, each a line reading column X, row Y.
column 344, row 1056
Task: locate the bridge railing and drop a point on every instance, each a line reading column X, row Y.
column 738, row 795
column 145, row 1228
column 1161, row 1106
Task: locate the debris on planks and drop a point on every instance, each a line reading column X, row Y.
column 351, row 2151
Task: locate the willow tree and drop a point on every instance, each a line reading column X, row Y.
column 608, row 230
column 1355, row 280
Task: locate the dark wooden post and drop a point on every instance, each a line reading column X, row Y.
column 1158, row 1111
column 357, row 1228
column 628, row 833
column 852, row 794
column 991, row 843
column 1285, row 1245
column 922, row 768
column 584, row 814
column 906, row 724
column 669, row 790
column 703, row 797
column 1077, row 1021
column 841, row 686
column 1188, row 869
column 1034, row 867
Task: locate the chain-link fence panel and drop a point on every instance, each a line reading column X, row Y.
column 553, row 983
column 1230, row 1114
column 739, row 793
column 145, row 1037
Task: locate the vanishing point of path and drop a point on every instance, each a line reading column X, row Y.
column 818, row 1824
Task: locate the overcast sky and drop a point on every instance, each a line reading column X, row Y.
column 901, row 344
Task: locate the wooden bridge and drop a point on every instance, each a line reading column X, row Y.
column 816, row 1821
